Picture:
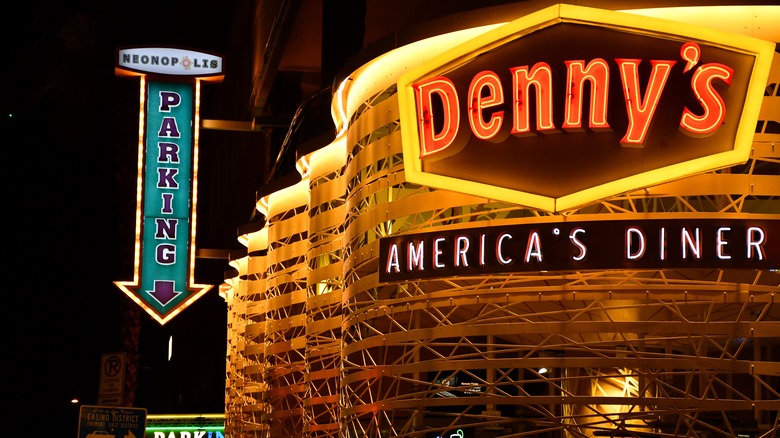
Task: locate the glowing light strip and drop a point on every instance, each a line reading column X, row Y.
column 194, row 200
column 338, row 108
column 384, row 71
column 288, row 198
column 182, row 416
column 192, row 428
column 139, row 185
column 138, row 199
column 327, row 159
column 757, row 21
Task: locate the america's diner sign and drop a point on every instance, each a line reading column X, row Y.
column 702, row 243
column 571, row 105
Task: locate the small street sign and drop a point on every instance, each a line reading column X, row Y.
column 111, row 422
column 112, row 379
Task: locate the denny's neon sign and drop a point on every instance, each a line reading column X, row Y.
column 163, row 281
column 571, row 105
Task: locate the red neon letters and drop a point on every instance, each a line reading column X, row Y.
column 439, row 109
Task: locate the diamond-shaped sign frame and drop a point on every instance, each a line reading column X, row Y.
column 737, row 146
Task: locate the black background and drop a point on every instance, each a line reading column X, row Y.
column 69, row 137
column 605, row 242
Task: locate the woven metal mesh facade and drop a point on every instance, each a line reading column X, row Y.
column 318, row 347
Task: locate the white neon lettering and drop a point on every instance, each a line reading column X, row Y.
column 583, row 250
column 482, row 249
column 415, row 257
column 662, row 244
column 461, row 246
column 392, row 260
column 632, row 232
column 694, row 243
column 705, row 242
column 533, row 248
column 755, row 242
column 499, row 252
column 721, row 243
column 437, row 252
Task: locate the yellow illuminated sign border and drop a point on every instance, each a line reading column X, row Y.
column 763, row 52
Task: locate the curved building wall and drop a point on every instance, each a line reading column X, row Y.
column 319, row 346
column 322, row 406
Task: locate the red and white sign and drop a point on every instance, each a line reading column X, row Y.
column 112, row 379
column 571, row 105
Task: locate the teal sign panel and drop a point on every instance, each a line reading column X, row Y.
column 163, row 281
column 167, row 191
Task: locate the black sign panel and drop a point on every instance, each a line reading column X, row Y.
column 585, row 245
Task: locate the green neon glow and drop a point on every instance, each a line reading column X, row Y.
column 191, row 428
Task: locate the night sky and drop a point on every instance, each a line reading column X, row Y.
column 69, row 136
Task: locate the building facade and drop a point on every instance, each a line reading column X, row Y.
column 386, row 295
